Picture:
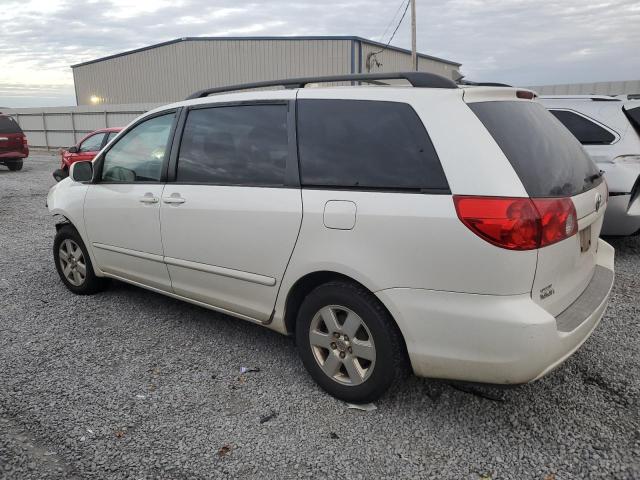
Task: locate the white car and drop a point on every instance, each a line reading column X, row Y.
column 450, row 230
column 609, row 130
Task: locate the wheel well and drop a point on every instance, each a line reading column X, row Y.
column 61, row 221
column 306, row 284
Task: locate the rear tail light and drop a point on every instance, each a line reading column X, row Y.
column 518, row 223
column 24, row 140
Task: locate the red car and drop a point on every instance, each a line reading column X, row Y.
column 85, row 150
column 13, row 144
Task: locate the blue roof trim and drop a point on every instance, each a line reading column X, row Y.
column 196, row 39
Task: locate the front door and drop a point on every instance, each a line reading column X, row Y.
column 230, row 220
column 122, row 209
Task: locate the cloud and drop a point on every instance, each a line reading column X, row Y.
column 524, row 42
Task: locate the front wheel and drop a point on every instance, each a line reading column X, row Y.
column 349, row 343
column 14, row 165
column 73, row 263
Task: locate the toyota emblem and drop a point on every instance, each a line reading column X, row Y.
column 598, row 201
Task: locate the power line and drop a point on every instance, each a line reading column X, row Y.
column 373, row 54
column 392, row 20
column 397, row 27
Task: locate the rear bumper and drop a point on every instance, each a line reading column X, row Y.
column 492, row 339
column 13, row 155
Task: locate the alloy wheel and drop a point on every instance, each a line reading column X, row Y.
column 342, row 345
column 72, row 262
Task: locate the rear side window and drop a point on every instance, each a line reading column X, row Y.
column 546, row 156
column 366, row 144
column 236, row 145
column 9, row 125
column 586, row 131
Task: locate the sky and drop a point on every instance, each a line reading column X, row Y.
column 520, row 42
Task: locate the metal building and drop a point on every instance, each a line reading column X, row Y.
column 170, row 71
column 629, row 87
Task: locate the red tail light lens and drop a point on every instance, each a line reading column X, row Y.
column 24, row 140
column 558, row 219
column 518, row 223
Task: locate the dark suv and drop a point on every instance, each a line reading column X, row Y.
column 13, row 143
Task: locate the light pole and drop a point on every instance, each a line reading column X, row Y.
column 414, row 55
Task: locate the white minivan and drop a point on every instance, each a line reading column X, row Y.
column 450, row 231
column 609, row 130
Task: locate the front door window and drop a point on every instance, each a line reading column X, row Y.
column 138, row 155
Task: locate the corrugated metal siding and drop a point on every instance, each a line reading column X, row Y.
column 595, row 88
column 395, row 61
column 172, row 72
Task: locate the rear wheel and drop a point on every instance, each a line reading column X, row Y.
column 14, row 165
column 349, row 343
column 73, row 263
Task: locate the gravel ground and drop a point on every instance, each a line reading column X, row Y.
column 131, row 384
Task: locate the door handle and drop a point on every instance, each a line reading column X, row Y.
column 174, row 199
column 148, row 198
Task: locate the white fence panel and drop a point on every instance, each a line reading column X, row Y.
column 35, row 139
column 59, row 139
column 30, row 122
column 88, row 122
column 122, row 119
column 60, row 121
column 65, row 126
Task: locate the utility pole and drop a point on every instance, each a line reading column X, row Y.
column 414, row 55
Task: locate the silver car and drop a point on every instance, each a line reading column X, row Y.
column 609, row 130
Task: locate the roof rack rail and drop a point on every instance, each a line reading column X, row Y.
column 416, row 79
column 580, row 96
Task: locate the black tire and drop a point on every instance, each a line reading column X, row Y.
column 91, row 283
column 14, row 165
column 391, row 363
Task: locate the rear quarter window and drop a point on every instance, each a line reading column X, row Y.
column 9, row 125
column 548, row 159
column 362, row 144
column 586, row 131
column 633, row 114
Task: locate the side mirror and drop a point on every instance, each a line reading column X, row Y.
column 81, row 171
column 73, row 149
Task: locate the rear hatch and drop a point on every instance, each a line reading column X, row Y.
column 11, row 135
column 551, row 164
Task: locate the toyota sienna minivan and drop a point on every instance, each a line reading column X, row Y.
column 449, row 231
